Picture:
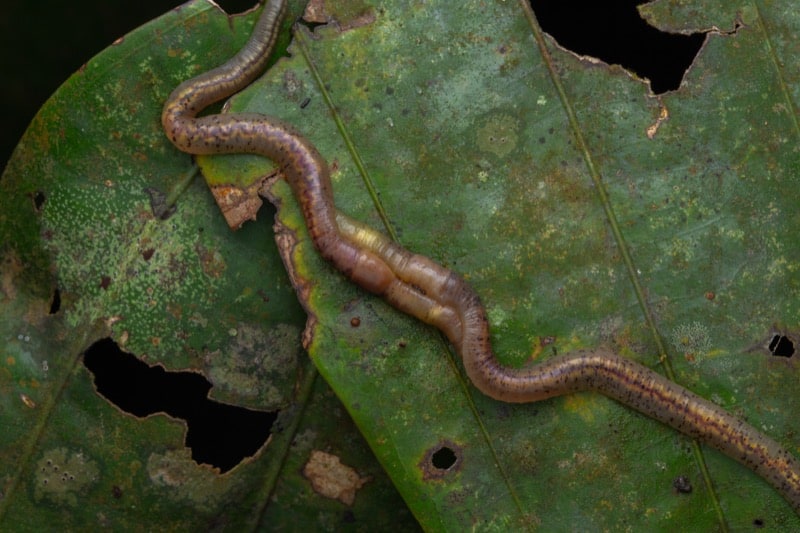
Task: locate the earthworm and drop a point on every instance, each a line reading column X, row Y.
column 434, row 294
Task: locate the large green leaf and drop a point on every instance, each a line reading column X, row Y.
column 76, row 220
column 555, row 186
column 584, row 211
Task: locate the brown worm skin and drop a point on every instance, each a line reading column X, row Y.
column 426, row 290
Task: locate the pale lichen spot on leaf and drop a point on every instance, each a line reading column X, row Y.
column 62, row 476
column 691, row 338
column 498, row 135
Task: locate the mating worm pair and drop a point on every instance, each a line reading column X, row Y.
column 426, row 290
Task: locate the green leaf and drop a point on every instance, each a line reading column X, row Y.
column 585, row 211
column 186, row 293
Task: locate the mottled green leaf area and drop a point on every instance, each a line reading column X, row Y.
column 470, row 147
column 184, row 292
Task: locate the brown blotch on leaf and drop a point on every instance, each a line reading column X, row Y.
column 317, row 12
column 330, row 478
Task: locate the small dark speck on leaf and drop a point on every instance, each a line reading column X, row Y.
column 682, row 485
column 38, row 201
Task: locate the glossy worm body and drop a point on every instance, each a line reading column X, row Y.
column 426, row 290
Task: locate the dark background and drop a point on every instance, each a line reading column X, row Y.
column 42, row 42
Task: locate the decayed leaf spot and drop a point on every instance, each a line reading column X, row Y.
column 441, row 460
column 347, row 17
column 211, row 261
column 330, row 478
column 61, row 476
column 315, row 12
column 258, row 367
column 218, row 434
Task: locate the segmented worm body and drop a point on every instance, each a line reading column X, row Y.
column 426, row 290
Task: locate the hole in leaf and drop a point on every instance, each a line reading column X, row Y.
column 443, row 458
column 440, row 460
column 781, row 346
column 38, row 201
column 55, row 303
column 218, row 434
column 236, row 6
column 759, row 523
column 615, row 33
